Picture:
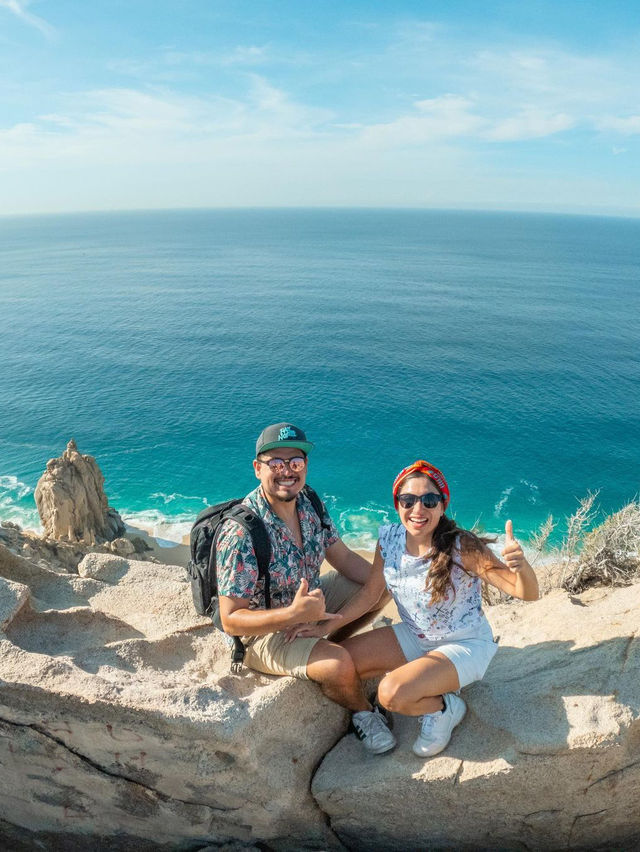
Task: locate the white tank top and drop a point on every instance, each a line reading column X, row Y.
column 458, row 615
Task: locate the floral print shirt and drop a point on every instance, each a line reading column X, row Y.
column 237, row 567
column 459, row 614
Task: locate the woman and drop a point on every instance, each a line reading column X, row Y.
column 434, row 570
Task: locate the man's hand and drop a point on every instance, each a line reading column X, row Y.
column 307, row 608
column 512, row 551
column 306, row 605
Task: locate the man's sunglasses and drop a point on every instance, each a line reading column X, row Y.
column 429, row 501
column 295, row 465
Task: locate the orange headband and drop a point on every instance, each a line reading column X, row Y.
column 432, row 472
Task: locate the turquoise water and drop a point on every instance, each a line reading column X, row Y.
column 501, row 347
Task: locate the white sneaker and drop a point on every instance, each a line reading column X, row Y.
column 371, row 728
column 436, row 728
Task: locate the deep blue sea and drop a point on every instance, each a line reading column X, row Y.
column 502, row 347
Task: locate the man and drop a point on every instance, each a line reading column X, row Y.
column 290, row 638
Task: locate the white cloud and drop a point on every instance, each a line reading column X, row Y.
column 628, row 126
column 124, row 125
column 454, row 116
column 433, row 119
column 242, row 55
column 529, row 124
column 151, row 144
column 19, row 9
column 171, row 65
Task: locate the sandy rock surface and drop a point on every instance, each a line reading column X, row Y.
column 71, row 501
column 121, row 726
column 547, row 757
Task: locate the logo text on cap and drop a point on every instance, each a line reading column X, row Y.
column 286, row 432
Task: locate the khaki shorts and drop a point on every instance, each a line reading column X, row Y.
column 272, row 655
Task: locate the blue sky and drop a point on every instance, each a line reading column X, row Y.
column 198, row 103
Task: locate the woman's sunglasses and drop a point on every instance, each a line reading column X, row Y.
column 429, row 501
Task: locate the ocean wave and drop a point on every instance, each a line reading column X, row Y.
column 24, row 445
column 170, row 498
column 359, row 526
column 111, row 453
column 11, row 484
column 17, row 505
column 523, row 491
column 502, row 502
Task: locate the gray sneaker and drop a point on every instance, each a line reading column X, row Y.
column 371, row 729
column 436, row 728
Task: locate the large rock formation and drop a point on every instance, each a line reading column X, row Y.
column 121, row 727
column 548, row 756
column 71, row 501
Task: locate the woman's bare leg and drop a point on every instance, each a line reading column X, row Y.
column 416, row 688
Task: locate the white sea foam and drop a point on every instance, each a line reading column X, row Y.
column 534, row 491
column 502, row 502
column 12, row 485
column 168, row 531
column 14, row 505
column 170, row 498
column 523, row 490
column 359, row 527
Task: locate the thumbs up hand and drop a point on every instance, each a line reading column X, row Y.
column 309, row 606
column 309, row 614
column 512, row 551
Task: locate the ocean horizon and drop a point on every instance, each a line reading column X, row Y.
column 502, row 347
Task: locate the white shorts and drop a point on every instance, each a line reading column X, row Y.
column 471, row 656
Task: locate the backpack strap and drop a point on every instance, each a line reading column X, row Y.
column 254, row 525
column 318, row 506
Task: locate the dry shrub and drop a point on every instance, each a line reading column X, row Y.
column 576, row 528
column 549, row 572
column 610, row 554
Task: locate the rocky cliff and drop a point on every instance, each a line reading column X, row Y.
column 121, row 727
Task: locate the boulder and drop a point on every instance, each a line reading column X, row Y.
column 122, row 546
column 103, row 566
column 121, row 726
column 71, row 501
column 13, row 597
column 547, row 757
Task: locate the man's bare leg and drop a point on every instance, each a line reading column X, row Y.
column 332, row 668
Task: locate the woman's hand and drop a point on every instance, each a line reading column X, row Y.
column 512, row 552
column 311, row 631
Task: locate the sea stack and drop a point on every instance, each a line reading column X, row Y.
column 72, row 503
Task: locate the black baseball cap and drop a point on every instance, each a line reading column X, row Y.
column 282, row 435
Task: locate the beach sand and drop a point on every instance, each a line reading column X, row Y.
column 178, row 554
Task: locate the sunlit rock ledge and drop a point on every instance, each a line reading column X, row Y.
column 119, row 719
column 121, row 727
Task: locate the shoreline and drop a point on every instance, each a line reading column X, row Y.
column 174, row 550
column 177, row 553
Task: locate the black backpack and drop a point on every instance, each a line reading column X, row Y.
column 202, row 565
